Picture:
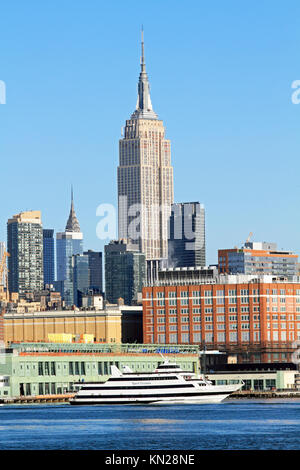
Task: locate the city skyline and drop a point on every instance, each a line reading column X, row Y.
column 234, row 140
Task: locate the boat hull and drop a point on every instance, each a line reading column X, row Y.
column 175, row 400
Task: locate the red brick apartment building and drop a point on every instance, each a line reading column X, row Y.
column 255, row 318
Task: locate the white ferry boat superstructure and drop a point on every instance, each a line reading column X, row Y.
column 167, row 384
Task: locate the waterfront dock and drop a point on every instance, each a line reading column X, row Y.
column 265, row 394
column 62, row 398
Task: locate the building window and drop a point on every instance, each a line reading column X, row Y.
column 209, row 337
column 41, row 369
column 221, row 337
column 173, row 320
column 245, row 336
column 208, row 310
column 53, row 371
column 209, row 318
column 232, row 337
column 173, row 338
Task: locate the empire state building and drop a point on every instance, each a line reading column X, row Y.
column 145, row 176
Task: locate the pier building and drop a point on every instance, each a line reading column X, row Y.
column 40, row 369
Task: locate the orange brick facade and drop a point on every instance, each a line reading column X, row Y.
column 259, row 322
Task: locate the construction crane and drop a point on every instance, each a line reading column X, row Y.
column 248, row 239
column 4, row 277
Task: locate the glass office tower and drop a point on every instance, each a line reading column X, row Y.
column 81, row 276
column 186, row 244
column 95, row 270
column 68, row 243
column 48, row 256
column 125, row 271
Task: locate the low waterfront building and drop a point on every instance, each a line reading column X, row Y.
column 112, row 324
column 31, row 369
column 257, row 377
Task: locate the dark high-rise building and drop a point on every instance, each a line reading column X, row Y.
column 25, row 246
column 87, row 274
column 48, row 256
column 186, row 244
column 81, row 276
column 95, row 270
column 125, row 271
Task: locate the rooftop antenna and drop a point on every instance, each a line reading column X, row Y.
column 165, row 360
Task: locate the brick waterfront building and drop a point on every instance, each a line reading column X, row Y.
column 256, row 318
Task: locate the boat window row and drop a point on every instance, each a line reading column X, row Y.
column 146, row 395
column 138, row 387
column 133, row 378
column 170, row 366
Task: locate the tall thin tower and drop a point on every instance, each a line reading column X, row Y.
column 145, row 176
column 68, row 243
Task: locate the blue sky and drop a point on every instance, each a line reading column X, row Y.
column 220, row 75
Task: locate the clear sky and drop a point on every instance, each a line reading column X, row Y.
column 220, row 75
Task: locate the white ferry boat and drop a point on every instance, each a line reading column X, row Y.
column 167, row 384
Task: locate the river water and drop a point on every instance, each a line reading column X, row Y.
column 233, row 424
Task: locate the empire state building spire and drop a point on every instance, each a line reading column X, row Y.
column 144, row 108
column 72, row 224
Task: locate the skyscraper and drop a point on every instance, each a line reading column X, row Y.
column 145, row 176
column 81, row 276
column 186, row 247
column 87, row 274
column 48, row 256
column 95, row 270
column 125, row 271
column 2, row 250
column 25, row 246
column 68, row 243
